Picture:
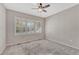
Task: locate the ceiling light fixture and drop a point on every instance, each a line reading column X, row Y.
column 41, row 8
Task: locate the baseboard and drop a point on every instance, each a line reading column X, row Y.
column 63, row 44
column 23, row 43
column 2, row 51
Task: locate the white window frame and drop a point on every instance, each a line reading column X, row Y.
column 27, row 19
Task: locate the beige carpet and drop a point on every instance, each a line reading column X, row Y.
column 40, row 47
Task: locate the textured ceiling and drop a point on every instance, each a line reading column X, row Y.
column 27, row 8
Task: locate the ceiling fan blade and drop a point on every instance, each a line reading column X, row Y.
column 38, row 4
column 44, row 11
column 35, row 8
column 46, row 6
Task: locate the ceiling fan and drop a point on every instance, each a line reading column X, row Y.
column 41, row 8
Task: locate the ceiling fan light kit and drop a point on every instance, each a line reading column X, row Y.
column 42, row 8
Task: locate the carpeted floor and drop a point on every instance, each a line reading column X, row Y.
column 40, row 47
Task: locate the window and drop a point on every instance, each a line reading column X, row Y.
column 24, row 26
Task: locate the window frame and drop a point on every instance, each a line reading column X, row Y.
column 28, row 20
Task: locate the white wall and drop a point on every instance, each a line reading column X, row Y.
column 63, row 27
column 13, row 39
column 2, row 28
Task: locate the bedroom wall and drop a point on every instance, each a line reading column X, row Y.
column 15, row 39
column 63, row 27
column 2, row 28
